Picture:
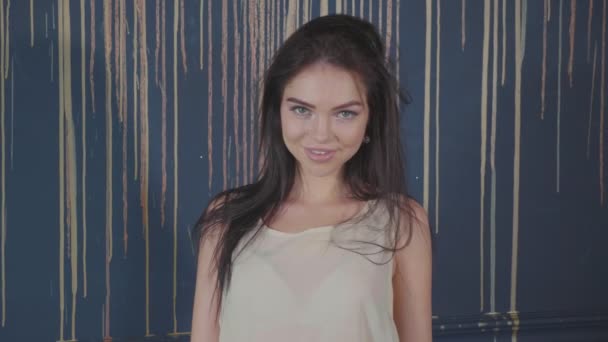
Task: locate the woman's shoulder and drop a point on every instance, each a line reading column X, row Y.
column 414, row 222
column 417, row 210
column 411, row 216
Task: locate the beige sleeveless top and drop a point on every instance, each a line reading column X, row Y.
column 304, row 287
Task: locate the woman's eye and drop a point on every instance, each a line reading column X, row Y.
column 300, row 110
column 346, row 114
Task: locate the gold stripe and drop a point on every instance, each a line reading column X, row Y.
column 602, row 107
column 572, row 31
column 591, row 101
column 61, row 288
column 437, row 122
column 559, row 98
column 427, row 101
column 516, row 157
column 493, row 161
column 463, row 21
column 107, row 16
column 484, row 135
column 176, row 19
column 32, row 23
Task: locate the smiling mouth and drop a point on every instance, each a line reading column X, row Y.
column 319, row 155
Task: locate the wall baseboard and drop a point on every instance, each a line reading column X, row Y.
column 545, row 326
column 507, row 323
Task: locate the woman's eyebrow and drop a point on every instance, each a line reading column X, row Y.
column 344, row 105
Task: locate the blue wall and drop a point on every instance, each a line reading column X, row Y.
column 528, row 264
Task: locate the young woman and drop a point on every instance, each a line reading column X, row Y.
column 326, row 245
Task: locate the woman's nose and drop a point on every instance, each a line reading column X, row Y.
column 321, row 128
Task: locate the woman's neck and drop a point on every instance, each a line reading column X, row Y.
column 318, row 190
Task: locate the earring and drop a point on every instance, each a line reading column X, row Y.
column 366, row 139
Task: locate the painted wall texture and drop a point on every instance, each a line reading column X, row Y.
column 119, row 120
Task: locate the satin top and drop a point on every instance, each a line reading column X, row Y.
column 304, row 287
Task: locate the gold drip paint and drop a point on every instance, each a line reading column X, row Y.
column 291, row 17
column 559, row 97
column 210, row 92
column 380, row 8
column 235, row 97
column 271, row 21
column 298, row 17
column 292, row 13
column 427, row 101
column 135, row 109
column 117, row 74
column 589, row 20
column 201, row 34
column 398, row 30
column 157, row 36
column 3, row 181
column 515, row 319
column 183, row 37
column 107, row 22
column 144, row 147
column 65, row 44
column 602, row 107
column 524, row 25
column 12, row 143
column 361, row 8
column 591, row 101
column 263, row 60
column 274, row 26
column 7, row 38
column 504, row 41
column 484, row 136
column 123, row 114
column 544, row 63
column 84, row 143
column 92, row 57
column 224, row 91
column 52, row 54
column 163, row 95
column 61, row 169
column 254, row 78
column 548, row 10
column 389, row 25
column 245, row 14
column 437, row 122
column 516, row 163
column 463, row 20
column 493, row 161
column 371, row 11
column 176, row 20
column 324, row 9
column 339, row 6
column 572, row 30
column 31, row 23
column 64, row 173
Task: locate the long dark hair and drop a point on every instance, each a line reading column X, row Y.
column 375, row 172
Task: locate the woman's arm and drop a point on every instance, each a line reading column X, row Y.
column 412, row 281
column 204, row 322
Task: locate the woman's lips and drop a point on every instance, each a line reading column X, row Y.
column 319, row 155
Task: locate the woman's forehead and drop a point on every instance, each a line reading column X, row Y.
column 326, row 83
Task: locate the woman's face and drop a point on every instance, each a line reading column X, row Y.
column 324, row 116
